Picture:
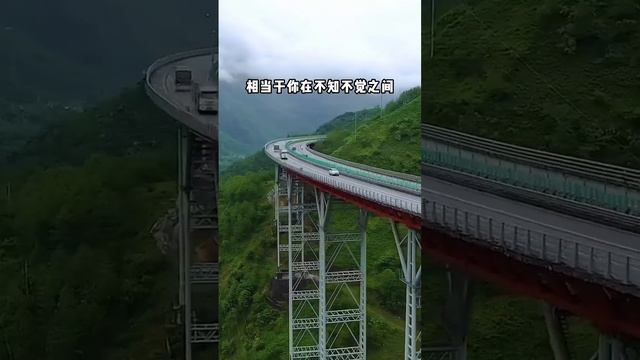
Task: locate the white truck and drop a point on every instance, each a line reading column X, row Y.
column 207, row 99
column 283, row 155
column 183, row 78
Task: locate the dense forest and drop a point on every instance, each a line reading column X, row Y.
column 556, row 75
column 81, row 277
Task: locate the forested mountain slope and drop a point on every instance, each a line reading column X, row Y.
column 557, row 75
column 81, row 277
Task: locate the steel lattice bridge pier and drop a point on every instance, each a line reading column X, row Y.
column 326, row 270
column 196, row 311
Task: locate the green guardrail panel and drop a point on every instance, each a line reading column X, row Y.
column 551, row 183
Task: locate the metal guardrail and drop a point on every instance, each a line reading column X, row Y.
column 367, row 175
column 607, row 186
column 386, row 200
column 210, row 131
column 582, row 167
column 598, row 259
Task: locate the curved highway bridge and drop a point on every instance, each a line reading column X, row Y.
column 197, row 307
column 561, row 229
column 326, row 275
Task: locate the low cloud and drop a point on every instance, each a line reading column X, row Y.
column 320, row 39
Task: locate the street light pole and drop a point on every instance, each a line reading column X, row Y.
column 433, row 22
column 355, row 126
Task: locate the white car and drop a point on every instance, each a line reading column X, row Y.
column 334, row 172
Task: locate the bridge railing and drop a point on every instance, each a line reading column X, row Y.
column 386, row 200
column 608, row 186
column 368, row 175
column 574, row 253
column 592, row 169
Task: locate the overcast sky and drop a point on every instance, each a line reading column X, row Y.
column 320, row 39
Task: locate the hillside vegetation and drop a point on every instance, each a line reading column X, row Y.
column 80, row 275
column 125, row 124
column 386, row 140
column 556, row 75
